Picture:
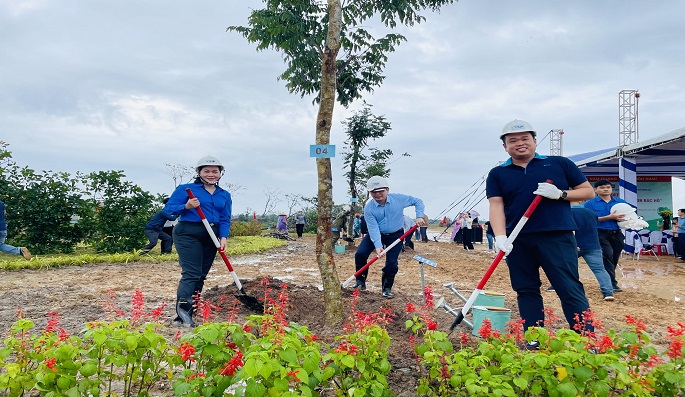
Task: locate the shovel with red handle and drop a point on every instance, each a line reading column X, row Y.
column 467, row 306
column 394, row 243
column 249, row 301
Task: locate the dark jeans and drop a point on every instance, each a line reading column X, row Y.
column 612, row 242
column 196, row 253
column 299, row 228
column 153, row 236
column 424, row 235
column 681, row 246
column 366, row 247
column 556, row 254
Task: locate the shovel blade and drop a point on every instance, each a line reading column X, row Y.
column 250, row 302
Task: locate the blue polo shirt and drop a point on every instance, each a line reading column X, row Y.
column 602, row 208
column 516, row 184
column 389, row 218
column 587, row 236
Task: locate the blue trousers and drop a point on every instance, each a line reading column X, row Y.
column 491, row 240
column 6, row 248
column 556, row 254
column 196, row 253
column 593, row 258
column 366, row 247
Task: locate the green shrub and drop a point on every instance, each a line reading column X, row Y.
column 250, row 228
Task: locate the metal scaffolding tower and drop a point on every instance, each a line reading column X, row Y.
column 627, row 117
column 556, row 145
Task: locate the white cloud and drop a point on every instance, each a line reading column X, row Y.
column 133, row 85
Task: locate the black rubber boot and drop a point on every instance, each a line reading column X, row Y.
column 184, row 313
column 387, row 282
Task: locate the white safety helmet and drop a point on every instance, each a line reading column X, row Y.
column 208, row 160
column 622, row 209
column 377, row 182
column 515, row 126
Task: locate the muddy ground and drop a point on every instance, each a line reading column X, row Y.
column 654, row 291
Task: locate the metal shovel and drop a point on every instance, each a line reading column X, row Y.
column 248, row 300
column 522, row 222
column 394, row 243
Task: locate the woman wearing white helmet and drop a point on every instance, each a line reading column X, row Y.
column 196, row 250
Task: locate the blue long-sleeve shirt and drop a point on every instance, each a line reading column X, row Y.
column 389, row 218
column 158, row 220
column 216, row 207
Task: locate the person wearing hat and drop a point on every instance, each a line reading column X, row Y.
column 384, row 216
column 546, row 241
column 282, row 223
column 195, row 247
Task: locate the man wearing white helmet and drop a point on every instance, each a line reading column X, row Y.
column 384, row 217
column 547, row 239
column 195, row 247
column 611, row 237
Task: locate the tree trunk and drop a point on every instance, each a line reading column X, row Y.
column 324, row 248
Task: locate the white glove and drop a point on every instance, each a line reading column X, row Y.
column 502, row 244
column 548, row 190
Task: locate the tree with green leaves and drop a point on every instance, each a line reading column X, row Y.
column 360, row 128
column 310, row 35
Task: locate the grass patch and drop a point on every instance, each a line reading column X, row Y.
column 86, row 255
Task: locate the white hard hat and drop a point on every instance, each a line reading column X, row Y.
column 622, row 209
column 208, row 160
column 377, row 182
column 515, row 126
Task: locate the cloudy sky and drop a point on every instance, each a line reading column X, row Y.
column 133, row 85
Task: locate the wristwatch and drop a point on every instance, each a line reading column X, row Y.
column 564, row 193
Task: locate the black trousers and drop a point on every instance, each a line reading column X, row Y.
column 467, row 238
column 612, row 242
column 196, row 253
column 300, row 229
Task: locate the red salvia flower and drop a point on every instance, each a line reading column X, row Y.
column 605, row 343
column 50, row 363
column 485, row 330
column 638, row 324
column 53, row 323
column 186, row 350
column 464, row 338
column 411, row 308
column 675, row 348
column 233, row 364
column 292, row 375
column 428, row 297
column 431, row 325
column 137, row 306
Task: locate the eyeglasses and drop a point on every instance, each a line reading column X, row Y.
column 377, row 191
